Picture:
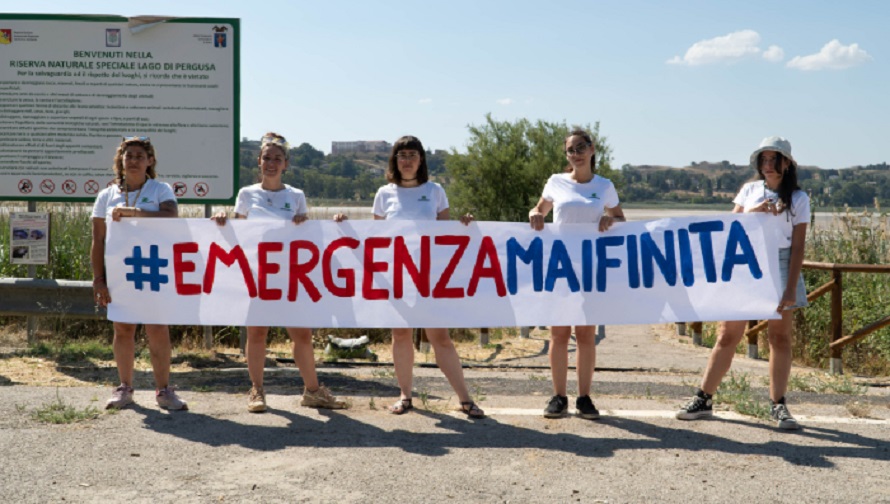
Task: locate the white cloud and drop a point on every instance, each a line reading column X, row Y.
column 774, row 54
column 833, row 56
column 425, row 101
column 505, row 101
column 732, row 47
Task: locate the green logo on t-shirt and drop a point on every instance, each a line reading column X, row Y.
column 144, row 199
column 287, row 206
column 423, row 198
column 593, row 196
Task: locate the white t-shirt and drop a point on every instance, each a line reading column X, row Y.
column 756, row 192
column 575, row 203
column 423, row 202
column 151, row 196
column 255, row 202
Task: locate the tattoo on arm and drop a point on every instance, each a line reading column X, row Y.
column 169, row 206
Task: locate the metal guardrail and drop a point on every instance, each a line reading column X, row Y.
column 41, row 297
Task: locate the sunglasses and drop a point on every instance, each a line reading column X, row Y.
column 143, row 139
column 579, row 149
column 280, row 141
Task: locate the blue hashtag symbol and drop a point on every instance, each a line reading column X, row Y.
column 154, row 264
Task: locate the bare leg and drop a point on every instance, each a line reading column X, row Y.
column 255, row 351
column 403, row 360
column 124, row 347
column 586, row 357
column 559, row 357
column 449, row 361
column 781, row 333
column 721, row 356
column 160, row 351
column 304, row 356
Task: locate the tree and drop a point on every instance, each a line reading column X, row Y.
column 306, row 155
column 507, row 164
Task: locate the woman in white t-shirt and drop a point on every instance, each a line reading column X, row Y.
column 774, row 191
column 273, row 199
column 134, row 193
column 576, row 196
column 411, row 196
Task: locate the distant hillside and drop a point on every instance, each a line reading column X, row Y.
column 708, row 182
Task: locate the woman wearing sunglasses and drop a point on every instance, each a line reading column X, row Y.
column 774, row 190
column 576, row 196
column 134, row 193
column 411, row 196
column 273, row 199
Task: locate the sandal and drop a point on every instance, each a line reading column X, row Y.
column 401, row 406
column 472, row 410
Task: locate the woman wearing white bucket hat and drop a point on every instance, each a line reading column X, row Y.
column 775, row 191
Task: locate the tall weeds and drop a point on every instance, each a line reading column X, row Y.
column 853, row 238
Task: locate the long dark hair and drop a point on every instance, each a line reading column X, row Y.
column 789, row 178
column 407, row 142
column 589, row 139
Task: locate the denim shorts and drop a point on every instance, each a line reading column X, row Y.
column 801, row 295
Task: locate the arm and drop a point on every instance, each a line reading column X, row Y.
column 611, row 216
column 97, row 261
column 167, row 208
column 444, row 215
column 798, row 240
column 536, row 215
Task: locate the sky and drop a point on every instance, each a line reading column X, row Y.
column 669, row 82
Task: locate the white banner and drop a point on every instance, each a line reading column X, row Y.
column 440, row 274
column 73, row 86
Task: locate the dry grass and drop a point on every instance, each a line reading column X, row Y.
column 57, row 365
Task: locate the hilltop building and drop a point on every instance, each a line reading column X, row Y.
column 361, row 146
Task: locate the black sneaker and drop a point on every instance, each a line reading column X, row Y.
column 586, row 409
column 700, row 406
column 779, row 413
column 558, row 407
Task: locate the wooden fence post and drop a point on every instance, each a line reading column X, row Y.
column 696, row 333
column 837, row 321
column 483, row 336
column 752, row 341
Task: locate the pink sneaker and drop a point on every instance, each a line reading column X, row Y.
column 122, row 396
column 167, row 399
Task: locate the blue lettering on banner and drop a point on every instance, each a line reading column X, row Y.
column 603, row 261
column 704, row 230
column 667, row 263
column 534, row 255
column 738, row 238
column 560, row 266
column 154, row 264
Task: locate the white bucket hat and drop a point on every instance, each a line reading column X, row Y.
column 776, row 144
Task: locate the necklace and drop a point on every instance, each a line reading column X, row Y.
column 136, row 201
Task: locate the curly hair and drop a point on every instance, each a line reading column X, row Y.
column 118, row 165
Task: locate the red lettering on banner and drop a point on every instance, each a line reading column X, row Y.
column 441, row 290
column 371, row 266
column 181, row 266
column 402, row 261
column 299, row 272
column 266, row 268
column 218, row 253
column 346, row 274
column 487, row 250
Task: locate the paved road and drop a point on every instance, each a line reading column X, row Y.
column 217, row 452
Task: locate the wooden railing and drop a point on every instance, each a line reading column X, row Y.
column 835, row 286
